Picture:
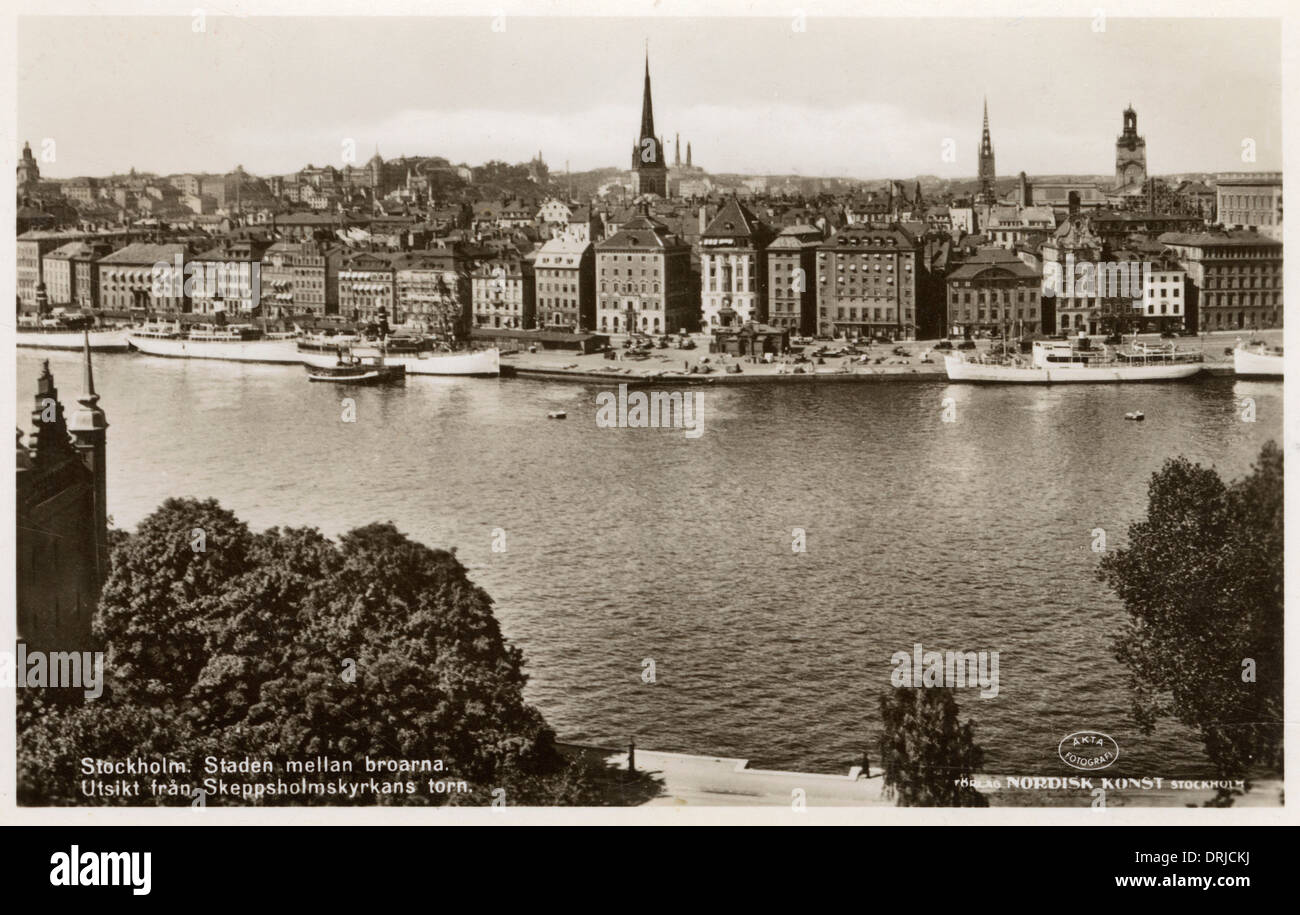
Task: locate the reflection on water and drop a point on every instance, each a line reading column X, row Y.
column 627, row 544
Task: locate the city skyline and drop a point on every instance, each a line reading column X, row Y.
column 762, row 114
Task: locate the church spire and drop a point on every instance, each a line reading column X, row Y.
column 647, row 109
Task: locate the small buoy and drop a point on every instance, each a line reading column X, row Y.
column 556, row 414
column 1135, row 415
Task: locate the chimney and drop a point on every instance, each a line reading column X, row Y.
column 704, row 217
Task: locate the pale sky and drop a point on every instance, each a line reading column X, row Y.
column 865, row 98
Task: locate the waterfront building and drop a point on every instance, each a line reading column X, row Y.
column 366, row 284
column 301, row 278
column 432, row 293
column 502, row 294
column 644, row 275
column 32, row 246
column 129, row 282
column 1247, row 200
column 70, row 276
column 649, row 170
column 1234, row 278
column 733, row 268
column 62, row 518
column 1084, row 305
column 994, row 291
column 792, row 265
column 1164, row 296
column 867, row 283
column 565, row 271
column 227, row 278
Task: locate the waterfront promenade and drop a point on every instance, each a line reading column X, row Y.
column 688, row 780
column 671, row 365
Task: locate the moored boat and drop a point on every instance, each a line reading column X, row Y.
column 1077, row 362
column 101, row 340
column 1258, row 361
column 234, row 343
column 486, row 363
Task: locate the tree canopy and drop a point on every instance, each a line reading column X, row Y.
column 1202, row 581
column 286, row 645
column 927, row 756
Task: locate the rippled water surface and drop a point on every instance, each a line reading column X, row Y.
column 628, row 544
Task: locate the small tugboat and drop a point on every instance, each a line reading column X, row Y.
column 557, row 414
column 354, row 369
column 1136, row 415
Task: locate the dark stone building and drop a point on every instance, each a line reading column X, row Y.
column 62, row 518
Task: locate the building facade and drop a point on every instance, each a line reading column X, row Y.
column 791, row 266
column 145, row 278
column 565, row 271
column 301, row 278
column 502, row 294
column 1234, row 278
column 1251, row 201
column 644, row 277
column 1001, row 295
column 867, row 283
column 733, row 268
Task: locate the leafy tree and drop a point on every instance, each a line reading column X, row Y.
column 1201, row 579
column 925, row 753
column 286, row 645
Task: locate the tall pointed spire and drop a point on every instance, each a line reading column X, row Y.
column 987, row 172
column 647, row 109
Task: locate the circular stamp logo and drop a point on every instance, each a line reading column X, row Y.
column 1090, row 751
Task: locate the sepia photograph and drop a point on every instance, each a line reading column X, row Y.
column 637, row 415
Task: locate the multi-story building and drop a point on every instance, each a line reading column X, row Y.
column 644, row 275
column 733, row 268
column 867, row 283
column 144, row 278
column 565, row 272
column 1251, row 201
column 994, row 291
column 791, row 268
column 1083, row 301
column 1234, row 278
column 228, row 278
column 433, row 293
column 1164, row 295
column 32, row 247
column 502, row 294
column 366, row 283
column 301, row 278
column 70, row 276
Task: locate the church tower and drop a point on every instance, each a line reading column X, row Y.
column 1130, row 153
column 649, row 170
column 987, row 173
column 28, row 171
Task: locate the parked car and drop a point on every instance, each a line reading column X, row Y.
column 966, row 344
column 943, row 344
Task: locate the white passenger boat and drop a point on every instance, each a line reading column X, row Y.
column 1077, row 362
column 102, row 340
column 234, row 343
column 1258, row 361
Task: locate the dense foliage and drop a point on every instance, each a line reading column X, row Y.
column 285, row 645
column 928, row 757
column 1202, row 580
